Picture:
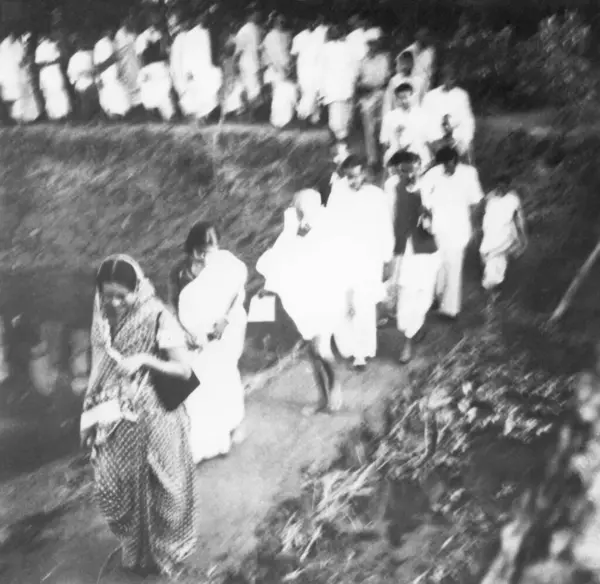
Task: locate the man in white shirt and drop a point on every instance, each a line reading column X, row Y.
column 424, row 55
column 405, row 73
column 357, row 40
column 404, row 126
column 453, row 191
column 360, row 213
column 129, row 62
column 451, row 103
column 247, row 42
column 338, row 82
column 276, row 51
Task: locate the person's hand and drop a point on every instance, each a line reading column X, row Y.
column 131, row 365
column 87, row 437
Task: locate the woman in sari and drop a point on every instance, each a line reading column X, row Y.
column 211, row 308
column 143, row 471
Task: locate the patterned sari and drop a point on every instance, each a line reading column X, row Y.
column 143, row 470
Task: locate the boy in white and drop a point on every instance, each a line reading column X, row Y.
column 453, row 102
column 504, row 233
column 452, row 191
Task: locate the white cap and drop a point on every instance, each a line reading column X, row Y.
column 373, row 34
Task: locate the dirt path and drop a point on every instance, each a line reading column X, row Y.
column 235, row 492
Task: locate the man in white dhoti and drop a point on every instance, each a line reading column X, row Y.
column 451, row 104
column 338, row 83
column 373, row 77
column 306, row 270
column 504, row 233
column 114, row 97
column 248, row 41
column 155, row 78
column 16, row 84
column 362, row 212
column 416, row 256
column 196, row 80
column 452, row 191
column 424, row 55
column 404, row 127
column 307, row 48
column 52, row 81
column 128, row 60
column 211, row 309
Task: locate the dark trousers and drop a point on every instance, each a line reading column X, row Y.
column 88, row 104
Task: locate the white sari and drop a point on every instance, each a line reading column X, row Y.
column 216, row 408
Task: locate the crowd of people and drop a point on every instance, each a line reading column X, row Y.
column 370, row 254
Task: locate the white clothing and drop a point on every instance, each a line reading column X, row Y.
column 247, row 42
column 389, row 98
column 81, row 70
column 276, row 51
column 357, row 43
column 155, row 86
column 150, row 35
column 402, row 129
column 450, row 198
column 285, row 97
column 114, row 97
column 339, row 72
column 129, row 63
column 216, row 408
column 456, row 104
column 15, row 80
column 11, row 56
column 423, row 67
column 499, row 237
column 418, row 275
column 52, row 82
column 195, row 78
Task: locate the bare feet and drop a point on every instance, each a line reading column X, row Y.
column 407, row 352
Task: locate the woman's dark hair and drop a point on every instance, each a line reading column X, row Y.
column 119, row 272
column 202, row 235
column 406, row 56
column 446, row 154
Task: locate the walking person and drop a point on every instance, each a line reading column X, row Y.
column 143, row 469
column 415, row 251
column 453, row 191
column 424, row 55
column 248, row 41
column 81, row 72
column 373, row 77
column 128, row 60
column 211, row 308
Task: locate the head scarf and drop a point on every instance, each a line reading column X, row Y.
column 135, row 334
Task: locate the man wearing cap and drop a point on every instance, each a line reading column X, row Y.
column 373, row 76
column 416, row 256
column 452, row 191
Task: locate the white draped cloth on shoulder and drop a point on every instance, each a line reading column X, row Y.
column 216, row 408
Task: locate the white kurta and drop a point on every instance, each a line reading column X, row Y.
column 457, row 105
column 155, row 89
column 129, row 63
column 81, row 70
column 357, row 42
column 451, row 199
column 114, row 97
column 402, row 129
column 17, row 85
column 247, row 43
column 276, row 54
column 339, row 72
column 423, row 67
column 499, row 237
column 52, row 82
column 195, row 79
column 283, row 105
column 216, row 408
column 363, row 218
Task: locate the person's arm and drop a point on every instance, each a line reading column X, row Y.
column 174, row 366
column 386, row 130
column 464, row 131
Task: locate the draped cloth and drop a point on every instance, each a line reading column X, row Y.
column 217, row 408
column 143, row 471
